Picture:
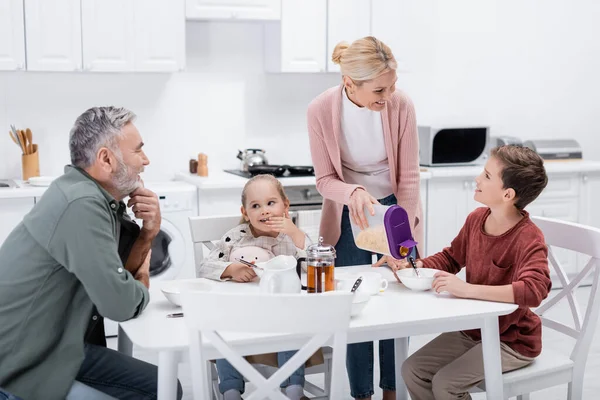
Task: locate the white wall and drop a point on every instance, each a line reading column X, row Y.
column 222, row 102
column 525, row 68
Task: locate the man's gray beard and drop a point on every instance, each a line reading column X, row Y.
column 124, row 180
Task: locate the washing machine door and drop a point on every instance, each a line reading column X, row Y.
column 168, row 251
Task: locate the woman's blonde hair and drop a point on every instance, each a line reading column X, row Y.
column 263, row 177
column 364, row 59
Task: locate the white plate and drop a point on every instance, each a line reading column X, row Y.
column 41, row 180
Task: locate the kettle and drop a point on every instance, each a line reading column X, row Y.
column 251, row 157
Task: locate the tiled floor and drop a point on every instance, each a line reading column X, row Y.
column 551, row 339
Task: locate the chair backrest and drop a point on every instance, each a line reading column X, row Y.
column 317, row 316
column 585, row 240
column 205, row 230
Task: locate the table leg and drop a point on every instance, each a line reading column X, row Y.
column 492, row 364
column 124, row 344
column 167, row 375
column 401, row 350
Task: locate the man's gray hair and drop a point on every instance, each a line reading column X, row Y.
column 97, row 127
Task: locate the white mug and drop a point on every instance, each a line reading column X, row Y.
column 373, row 283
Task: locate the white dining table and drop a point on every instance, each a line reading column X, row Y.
column 396, row 313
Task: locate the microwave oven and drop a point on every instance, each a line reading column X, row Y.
column 453, row 146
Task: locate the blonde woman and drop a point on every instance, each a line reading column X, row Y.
column 364, row 147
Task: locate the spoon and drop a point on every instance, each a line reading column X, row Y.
column 356, row 284
column 248, row 263
column 414, row 265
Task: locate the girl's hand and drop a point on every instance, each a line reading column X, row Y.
column 446, row 282
column 394, row 264
column 282, row 224
column 239, row 272
column 359, row 199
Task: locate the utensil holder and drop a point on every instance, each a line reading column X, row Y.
column 30, row 164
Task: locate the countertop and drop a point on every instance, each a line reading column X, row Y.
column 224, row 180
column 24, row 190
column 552, row 167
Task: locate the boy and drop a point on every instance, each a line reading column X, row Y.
column 506, row 260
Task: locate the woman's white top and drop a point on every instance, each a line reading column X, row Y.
column 362, row 149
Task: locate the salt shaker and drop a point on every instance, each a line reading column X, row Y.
column 202, row 164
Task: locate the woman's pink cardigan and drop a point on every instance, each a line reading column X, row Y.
column 402, row 147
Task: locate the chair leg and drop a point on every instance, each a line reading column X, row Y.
column 575, row 390
column 327, row 377
column 523, row 397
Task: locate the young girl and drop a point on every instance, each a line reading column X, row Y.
column 265, row 224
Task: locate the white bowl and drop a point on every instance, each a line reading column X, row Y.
column 414, row 282
column 359, row 301
column 41, row 180
column 173, row 289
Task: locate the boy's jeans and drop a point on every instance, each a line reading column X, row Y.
column 230, row 378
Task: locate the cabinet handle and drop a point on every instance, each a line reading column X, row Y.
column 584, row 178
column 466, row 184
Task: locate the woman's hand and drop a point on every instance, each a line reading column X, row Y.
column 394, row 264
column 359, row 199
column 239, row 272
column 446, row 282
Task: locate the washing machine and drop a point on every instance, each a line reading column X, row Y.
column 172, row 248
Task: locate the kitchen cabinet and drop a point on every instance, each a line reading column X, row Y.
column 53, row 35
column 108, row 35
column 233, row 9
column 12, row 211
column 105, row 35
column 297, row 43
column 390, row 23
column 159, row 35
column 12, row 35
column 347, row 20
column 449, row 202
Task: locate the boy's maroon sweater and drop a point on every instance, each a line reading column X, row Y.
column 519, row 257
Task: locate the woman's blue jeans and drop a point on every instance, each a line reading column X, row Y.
column 359, row 358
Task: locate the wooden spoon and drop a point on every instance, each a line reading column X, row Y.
column 23, row 141
column 29, row 135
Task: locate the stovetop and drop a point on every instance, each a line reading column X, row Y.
column 248, row 175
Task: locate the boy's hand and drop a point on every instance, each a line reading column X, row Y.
column 447, row 282
column 282, row 224
column 239, row 272
column 394, row 264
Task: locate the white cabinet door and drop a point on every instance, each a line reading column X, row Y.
column 447, row 210
column 389, row 22
column 53, row 35
column 347, row 20
column 12, row 212
column 234, row 9
column 590, row 193
column 159, row 35
column 299, row 42
column 108, row 35
column 12, row 35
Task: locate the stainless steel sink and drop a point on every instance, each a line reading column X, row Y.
column 7, row 184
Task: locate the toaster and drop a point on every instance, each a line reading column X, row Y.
column 556, row 149
column 453, row 146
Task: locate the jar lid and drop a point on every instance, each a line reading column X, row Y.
column 320, row 249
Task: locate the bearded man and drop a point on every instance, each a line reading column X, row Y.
column 68, row 263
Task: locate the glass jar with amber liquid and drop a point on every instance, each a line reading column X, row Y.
column 320, row 262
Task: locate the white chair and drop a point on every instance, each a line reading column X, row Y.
column 205, row 230
column 552, row 368
column 297, row 314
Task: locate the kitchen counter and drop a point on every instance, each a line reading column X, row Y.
column 23, row 191
column 552, row 167
column 224, row 180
